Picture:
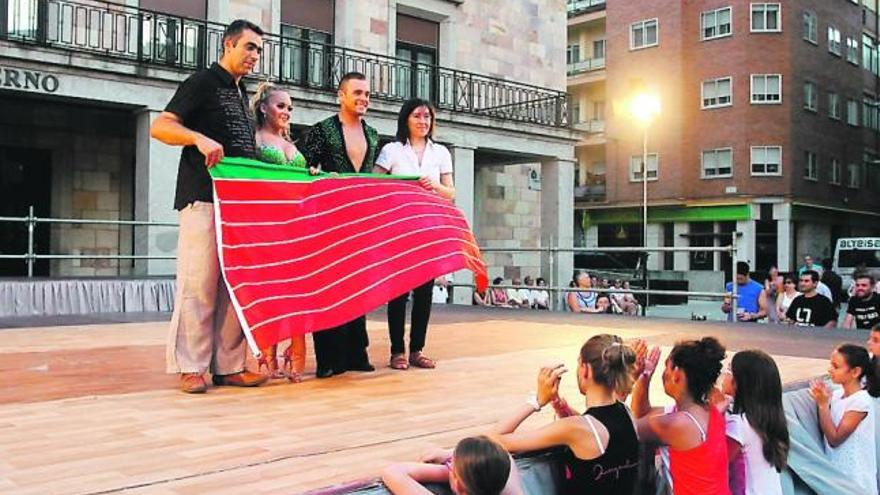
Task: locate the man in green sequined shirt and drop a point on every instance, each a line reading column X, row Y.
column 344, row 143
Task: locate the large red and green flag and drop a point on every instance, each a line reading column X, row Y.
column 303, row 253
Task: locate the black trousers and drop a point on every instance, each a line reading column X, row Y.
column 421, row 313
column 342, row 347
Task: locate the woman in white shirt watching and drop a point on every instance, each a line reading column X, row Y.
column 414, row 152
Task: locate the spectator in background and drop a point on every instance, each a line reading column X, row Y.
column 497, row 295
column 525, row 293
column 809, row 265
column 514, row 298
column 750, row 296
column 482, row 298
column 773, row 286
column 810, row 309
column 582, row 302
column 863, row 309
column 624, row 299
column 833, row 282
column 540, row 297
column 785, row 298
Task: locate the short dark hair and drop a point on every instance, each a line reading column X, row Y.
column 866, row 275
column 348, row 76
column 813, row 274
column 238, row 26
column 827, row 264
column 742, row 268
column 408, row 107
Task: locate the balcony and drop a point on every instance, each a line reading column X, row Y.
column 591, row 126
column 578, row 7
column 591, row 193
column 586, row 65
column 119, row 32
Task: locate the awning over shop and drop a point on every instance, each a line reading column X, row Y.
column 660, row 214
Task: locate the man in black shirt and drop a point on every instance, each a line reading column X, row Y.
column 209, row 117
column 863, row 308
column 833, row 281
column 810, row 309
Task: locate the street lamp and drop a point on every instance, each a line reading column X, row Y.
column 644, row 108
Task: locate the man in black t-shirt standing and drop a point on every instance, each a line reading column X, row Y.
column 863, row 308
column 209, row 117
column 810, row 309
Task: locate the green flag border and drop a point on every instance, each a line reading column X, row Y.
column 246, row 168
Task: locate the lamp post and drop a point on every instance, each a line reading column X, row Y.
column 644, row 107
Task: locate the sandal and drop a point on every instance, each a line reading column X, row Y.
column 398, row 362
column 419, row 360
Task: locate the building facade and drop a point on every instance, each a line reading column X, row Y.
column 81, row 81
column 767, row 129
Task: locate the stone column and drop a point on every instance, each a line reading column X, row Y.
column 784, row 231
column 745, row 244
column 592, row 236
column 463, row 174
column 655, row 239
column 557, row 221
column 218, row 11
column 155, row 174
column 681, row 259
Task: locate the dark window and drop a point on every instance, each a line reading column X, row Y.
column 194, row 9
column 307, row 39
column 702, row 235
column 417, row 42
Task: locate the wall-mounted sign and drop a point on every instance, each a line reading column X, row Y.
column 534, row 179
column 28, row 80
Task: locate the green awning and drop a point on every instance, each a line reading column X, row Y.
column 660, row 214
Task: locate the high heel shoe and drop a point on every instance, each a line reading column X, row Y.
column 268, row 359
column 295, row 359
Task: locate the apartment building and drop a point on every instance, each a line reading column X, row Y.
column 82, row 80
column 768, row 128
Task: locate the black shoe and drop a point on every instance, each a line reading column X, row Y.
column 325, row 373
column 364, row 366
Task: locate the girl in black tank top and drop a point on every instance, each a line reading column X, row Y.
column 615, row 471
column 596, row 463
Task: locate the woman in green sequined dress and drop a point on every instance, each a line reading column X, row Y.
column 272, row 107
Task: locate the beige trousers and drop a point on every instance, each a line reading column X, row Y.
column 205, row 333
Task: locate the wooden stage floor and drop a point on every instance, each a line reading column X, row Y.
column 88, row 410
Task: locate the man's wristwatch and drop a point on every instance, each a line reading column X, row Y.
column 532, row 401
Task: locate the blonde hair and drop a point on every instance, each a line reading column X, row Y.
column 262, row 94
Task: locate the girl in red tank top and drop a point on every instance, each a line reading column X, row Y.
column 693, row 431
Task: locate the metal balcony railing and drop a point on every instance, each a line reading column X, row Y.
column 122, row 32
column 577, row 7
column 592, row 192
column 586, row 65
column 594, row 126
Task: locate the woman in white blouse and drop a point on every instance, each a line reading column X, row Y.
column 414, row 152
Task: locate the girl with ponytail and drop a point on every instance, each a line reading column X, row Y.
column 272, row 106
column 602, row 450
column 692, row 430
column 846, row 416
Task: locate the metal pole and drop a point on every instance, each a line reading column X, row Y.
column 31, row 223
column 645, row 211
column 554, row 303
column 733, row 262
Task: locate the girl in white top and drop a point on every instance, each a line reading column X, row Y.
column 846, row 416
column 414, row 152
column 757, row 436
column 784, row 298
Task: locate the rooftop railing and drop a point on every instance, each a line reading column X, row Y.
column 577, row 7
column 122, row 32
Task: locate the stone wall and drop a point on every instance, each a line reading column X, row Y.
column 92, row 153
column 508, row 214
column 518, row 40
